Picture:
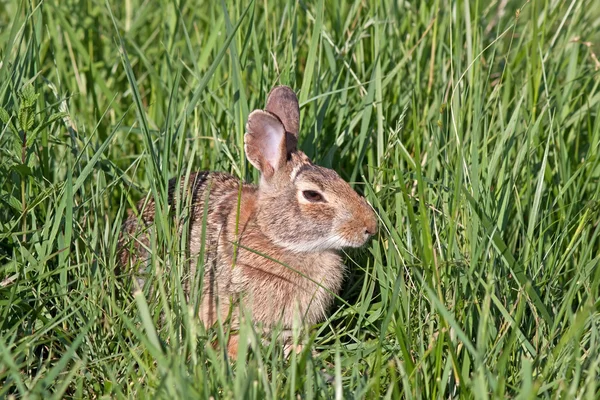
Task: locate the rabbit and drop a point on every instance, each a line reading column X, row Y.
column 286, row 237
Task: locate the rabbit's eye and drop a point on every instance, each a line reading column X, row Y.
column 312, row 196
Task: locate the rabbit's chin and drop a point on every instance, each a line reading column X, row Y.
column 334, row 242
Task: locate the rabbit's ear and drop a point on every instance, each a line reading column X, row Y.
column 265, row 142
column 282, row 101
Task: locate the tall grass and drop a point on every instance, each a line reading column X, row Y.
column 472, row 127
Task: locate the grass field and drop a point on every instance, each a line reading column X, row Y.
column 472, row 127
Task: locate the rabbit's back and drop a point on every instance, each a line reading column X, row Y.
column 205, row 199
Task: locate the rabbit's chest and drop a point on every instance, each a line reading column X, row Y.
column 303, row 284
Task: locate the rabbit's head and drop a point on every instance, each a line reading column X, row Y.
column 301, row 206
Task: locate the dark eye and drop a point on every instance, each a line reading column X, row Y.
column 312, row 196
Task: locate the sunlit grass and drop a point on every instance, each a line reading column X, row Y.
column 471, row 127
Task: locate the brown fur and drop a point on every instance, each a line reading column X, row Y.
column 286, row 263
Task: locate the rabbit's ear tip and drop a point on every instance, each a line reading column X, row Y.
column 283, row 102
column 282, row 90
column 259, row 119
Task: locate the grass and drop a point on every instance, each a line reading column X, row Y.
column 472, row 127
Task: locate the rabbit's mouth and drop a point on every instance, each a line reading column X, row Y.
column 356, row 231
column 356, row 240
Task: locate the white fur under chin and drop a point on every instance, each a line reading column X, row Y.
column 334, row 242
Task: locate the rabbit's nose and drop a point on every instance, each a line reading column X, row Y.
column 371, row 226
